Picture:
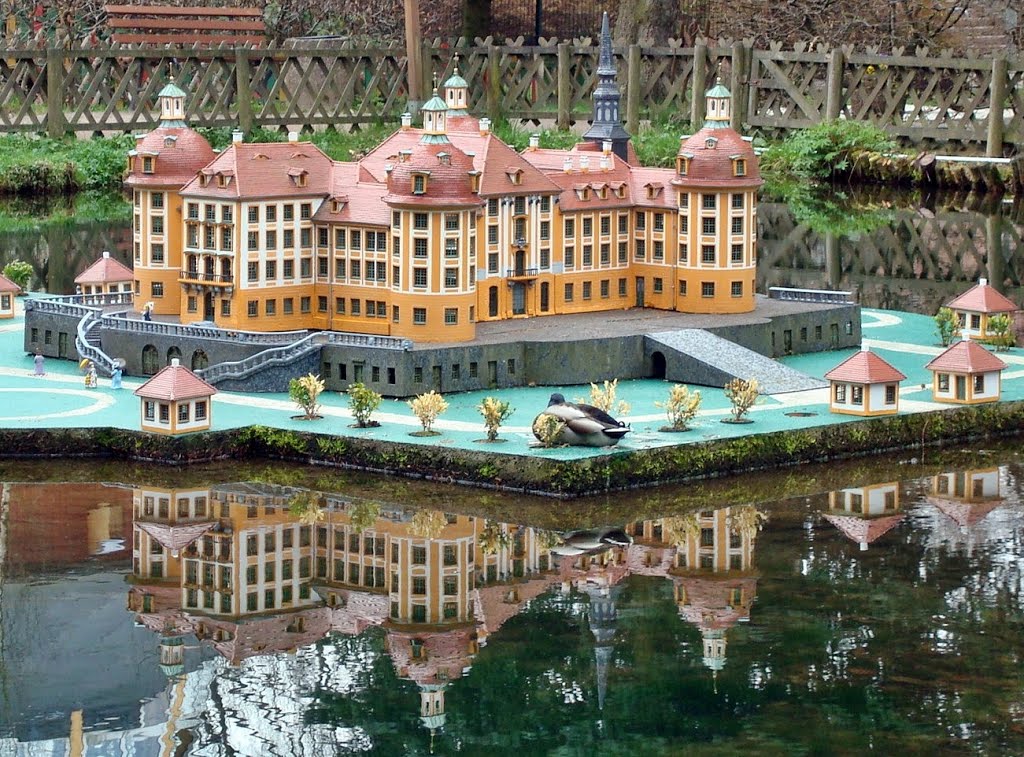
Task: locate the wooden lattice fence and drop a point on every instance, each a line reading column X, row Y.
column 966, row 104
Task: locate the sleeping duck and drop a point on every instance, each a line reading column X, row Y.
column 582, row 425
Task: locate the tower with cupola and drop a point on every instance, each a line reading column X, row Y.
column 607, row 122
column 716, row 182
column 161, row 163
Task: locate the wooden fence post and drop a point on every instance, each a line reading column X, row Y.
column 834, row 86
column 493, row 84
column 699, row 85
column 633, row 90
column 56, row 125
column 994, row 246
column 427, row 69
column 243, row 90
column 738, row 85
column 997, row 97
column 564, row 90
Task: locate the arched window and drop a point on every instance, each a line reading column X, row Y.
column 150, row 360
column 199, row 360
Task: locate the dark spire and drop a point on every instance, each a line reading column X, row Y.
column 607, row 126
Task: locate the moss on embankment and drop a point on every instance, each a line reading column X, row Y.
column 619, row 469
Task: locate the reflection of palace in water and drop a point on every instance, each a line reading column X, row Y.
column 234, row 568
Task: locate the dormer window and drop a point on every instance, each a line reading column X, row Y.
column 223, row 180
column 711, row 143
column 337, row 206
column 147, row 165
column 474, row 181
column 739, row 167
column 444, row 158
column 298, row 176
column 170, row 141
column 419, row 184
column 515, row 175
column 204, row 179
column 582, row 191
column 682, row 165
column 653, row 190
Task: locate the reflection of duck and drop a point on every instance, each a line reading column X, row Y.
column 582, row 425
column 575, row 543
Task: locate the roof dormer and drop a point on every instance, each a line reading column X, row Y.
column 582, row 191
column 683, row 163
column 653, row 190
column 739, row 165
column 299, row 176
column 419, row 182
column 514, row 174
column 338, row 203
column 710, row 143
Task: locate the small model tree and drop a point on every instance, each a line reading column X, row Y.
column 427, row 407
column 19, row 272
column 427, row 524
column 362, row 515
column 305, row 392
column 306, row 507
column 742, row 395
column 363, row 402
column 494, row 537
column 1002, row 337
column 495, row 412
column 947, row 323
column 548, row 429
column 603, row 398
column 681, row 407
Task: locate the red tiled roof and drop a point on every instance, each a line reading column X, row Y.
column 658, row 178
column 363, row 200
column 179, row 152
column 966, row 513
column 966, row 357
column 498, row 161
column 713, row 166
column 262, row 170
column 175, row 382
column 864, row 530
column 982, row 298
column 448, row 182
column 6, row 285
column 105, row 270
column 864, row 367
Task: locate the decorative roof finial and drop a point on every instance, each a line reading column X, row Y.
column 456, row 70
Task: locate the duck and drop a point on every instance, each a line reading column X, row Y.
column 582, row 425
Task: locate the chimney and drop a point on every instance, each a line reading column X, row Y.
column 534, row 141
column 606, row 146
column 485, row 127
column 236, row 136
column 175, row 362
column 293, row 136
column 567, row 165
column 106, row 253
column 584, row 163
column 983, row 282
column 605, row 163
column 864, row 347
column 406, row 121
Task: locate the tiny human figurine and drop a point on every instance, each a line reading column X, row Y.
column 38, row 360
column 115, row 377
column 147, row 314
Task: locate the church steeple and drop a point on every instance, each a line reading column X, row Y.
column 607, row 125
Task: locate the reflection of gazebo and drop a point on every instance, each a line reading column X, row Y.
column 865, row 513
column 966, row 496
column 864, row 531
column 175, row 537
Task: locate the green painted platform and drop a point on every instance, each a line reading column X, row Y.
column 60, row 399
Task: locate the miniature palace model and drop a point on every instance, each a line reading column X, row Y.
column 439, row 231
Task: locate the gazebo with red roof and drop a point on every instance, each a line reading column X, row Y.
column 106, row 276
column 966, row 374
column 864, row 384
column 176, row 401
column 977, row 306
column 8, row 291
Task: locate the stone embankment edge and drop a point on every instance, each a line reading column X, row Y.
column 618, row 470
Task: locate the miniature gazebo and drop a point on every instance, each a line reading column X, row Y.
column 977, row 305
column 864, row 384
column 966, row 374
column 106, row 276
column 8, row 291
column 176, row 401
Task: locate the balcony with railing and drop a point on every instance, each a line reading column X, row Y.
column 522, row 273
column 190, row 276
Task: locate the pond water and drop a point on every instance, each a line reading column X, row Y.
column 284, row 611
column 897, row 251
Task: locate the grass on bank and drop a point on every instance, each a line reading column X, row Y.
column 797, row 170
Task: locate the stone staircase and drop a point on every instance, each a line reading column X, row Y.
column 699, row 357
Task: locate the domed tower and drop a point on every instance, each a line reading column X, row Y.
column 163, row 161
column 717, row 178
column 456, row 93
column 433, row 194
column 172, row 655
